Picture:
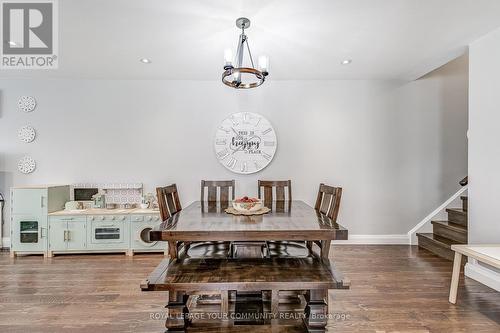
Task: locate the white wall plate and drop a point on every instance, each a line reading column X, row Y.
column 26, row 165
column 27, row 103
column 26, row 134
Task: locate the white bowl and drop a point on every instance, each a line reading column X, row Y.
column 247, row 206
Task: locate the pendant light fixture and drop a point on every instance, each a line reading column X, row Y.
column 237, row 76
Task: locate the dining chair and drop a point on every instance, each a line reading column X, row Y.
column 214, row 192
column 168, row 201
column 283, row 189
column 328, row 201
column 225, row 189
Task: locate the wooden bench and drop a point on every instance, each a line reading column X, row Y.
column 488, row 254
column 182, row 277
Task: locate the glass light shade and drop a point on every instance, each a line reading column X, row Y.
column 264, row 63
column 228, row 57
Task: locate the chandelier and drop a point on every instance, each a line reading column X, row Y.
column 237, row 76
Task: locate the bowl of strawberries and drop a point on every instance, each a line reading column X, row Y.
column 247, row 204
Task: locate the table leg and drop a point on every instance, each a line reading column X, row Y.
column 325, row 248
column 172, row 249
column 455, row 277
column 275, row 302
column 224, row 302
column 316, row 311
column 177, row 319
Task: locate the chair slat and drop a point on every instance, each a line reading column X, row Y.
column 224, row 194
column 325, row 204
column 212, row 194
column 280, row 193
column 268, row 196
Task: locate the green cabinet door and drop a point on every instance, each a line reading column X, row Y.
column 67, row 233
column 76, row 235
column 29, row 201
column 29, row 233
column 57, row 235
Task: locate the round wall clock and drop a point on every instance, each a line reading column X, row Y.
column 26, row 165
column 26, row 134
column 245, row 142
column 27, row 103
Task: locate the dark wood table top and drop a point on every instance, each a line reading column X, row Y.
column 293, row 220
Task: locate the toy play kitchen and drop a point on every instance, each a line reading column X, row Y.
column 83, row 218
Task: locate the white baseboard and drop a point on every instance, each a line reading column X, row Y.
column 483, row 275
column 375, row 239
column 5, row 242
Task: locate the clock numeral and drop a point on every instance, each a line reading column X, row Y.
column 246, row 118
column 266, row 131
column 234, row 121
column 258, row 122
column 223, row 154
column 232, row 162
column 266, row 156
column 220, row 142
column 256, row 164
column 244, row 167
column 269, row 143
column 224, row 129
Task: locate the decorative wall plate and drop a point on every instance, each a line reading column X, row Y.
column 26, row 134
column 245, row 142
column 27, row 103
column 26, row 165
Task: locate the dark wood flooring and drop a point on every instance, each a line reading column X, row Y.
column 394, row 289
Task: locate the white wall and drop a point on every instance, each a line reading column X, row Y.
column 484, row 148
column 393, row 148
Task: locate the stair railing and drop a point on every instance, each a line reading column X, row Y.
column 412, row 233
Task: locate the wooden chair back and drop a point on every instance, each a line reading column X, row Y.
column 168, row 201
column 282, row 187
column 224, row 187
column 328, row 201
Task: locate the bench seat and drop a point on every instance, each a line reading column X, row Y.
column 191, row 274
column 185, row 276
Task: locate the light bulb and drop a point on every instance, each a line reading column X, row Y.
column 228, row 57
column 236, row 76
column 264, row 64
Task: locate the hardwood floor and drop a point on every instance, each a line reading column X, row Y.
column 394, row 289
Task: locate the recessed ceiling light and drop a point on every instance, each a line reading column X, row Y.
column 145, row 60
column 11, row 43
column 346, row 61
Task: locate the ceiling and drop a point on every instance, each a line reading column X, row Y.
column 185, row 39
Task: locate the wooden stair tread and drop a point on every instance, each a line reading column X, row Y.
column 441, row 241
column 450, row 225
column 435, row 244
column 245, row 274
column 457, row 210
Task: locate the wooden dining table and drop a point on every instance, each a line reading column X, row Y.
column 183, row 275
column 287, row 221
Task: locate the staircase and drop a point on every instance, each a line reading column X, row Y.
column 446, row 233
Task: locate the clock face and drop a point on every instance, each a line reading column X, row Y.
column 245, row 142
